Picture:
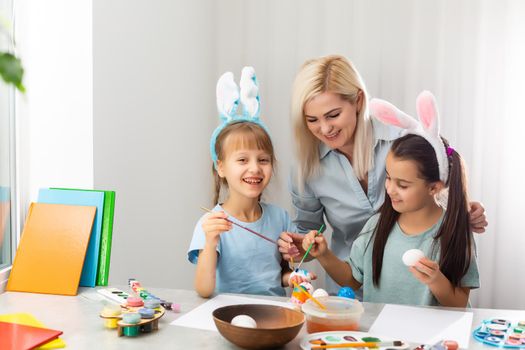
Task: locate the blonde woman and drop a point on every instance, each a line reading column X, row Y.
column 341, row 153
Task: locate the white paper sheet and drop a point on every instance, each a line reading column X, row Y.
column 423, row 325
column 201, row 316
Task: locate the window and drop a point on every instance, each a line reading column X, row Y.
column 7, row 152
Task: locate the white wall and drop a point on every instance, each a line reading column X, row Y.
column 139, row 109
column 55, row 116
column 153, row 112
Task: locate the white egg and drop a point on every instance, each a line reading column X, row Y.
column 320, row 292
column 412, row 256
column 244, row 321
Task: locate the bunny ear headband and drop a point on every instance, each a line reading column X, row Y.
column 228, row 98
column 427, row 126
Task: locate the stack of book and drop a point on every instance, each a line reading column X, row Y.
column 66, row 242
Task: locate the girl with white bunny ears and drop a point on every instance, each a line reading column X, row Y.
column 340, row 152
column 228, row 258
column 419, row 165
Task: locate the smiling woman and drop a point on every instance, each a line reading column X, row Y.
column 331, row 118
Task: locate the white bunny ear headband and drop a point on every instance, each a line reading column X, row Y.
column 427, row 126
column 228, row 98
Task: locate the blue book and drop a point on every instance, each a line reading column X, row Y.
column 93, row 199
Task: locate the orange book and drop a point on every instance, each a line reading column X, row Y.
column 52, row 249
column 18, row 336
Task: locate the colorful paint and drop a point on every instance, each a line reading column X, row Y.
column 132, row 320
column 114, row 294
column 145, row 295
column 501, row 333
column 342, row 337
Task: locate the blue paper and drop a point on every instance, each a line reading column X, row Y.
column 92, row 199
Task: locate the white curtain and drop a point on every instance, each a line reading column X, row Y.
column 162, row 61
column 471, row 54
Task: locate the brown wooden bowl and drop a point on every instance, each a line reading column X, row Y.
column 276, row 325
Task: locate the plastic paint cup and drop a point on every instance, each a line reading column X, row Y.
column 341, row 314
column 131, row 317
column 175, row 307
column 451, row 344
column 131, row 331
column 151, row 303
column 111, row 311
column 147, row 327
column 146, row 313
column 111, row 322
column 133, row 301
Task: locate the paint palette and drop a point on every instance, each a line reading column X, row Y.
column 143, row 325
column 501, row 333
column 114, row 294
column 341, row 337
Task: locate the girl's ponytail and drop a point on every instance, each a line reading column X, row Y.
column 455, row 236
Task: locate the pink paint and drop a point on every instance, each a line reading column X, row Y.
column 135, row 302
column 175, row 307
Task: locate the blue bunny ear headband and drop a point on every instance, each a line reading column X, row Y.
column 228, row 98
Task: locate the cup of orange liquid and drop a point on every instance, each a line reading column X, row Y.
column 341, row 314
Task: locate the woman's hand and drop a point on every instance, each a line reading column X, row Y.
column 214, row 224
column 427, row 271
column 319, row 247
column 288, row 244
column 477, row 218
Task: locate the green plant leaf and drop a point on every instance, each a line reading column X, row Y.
column 11, row 70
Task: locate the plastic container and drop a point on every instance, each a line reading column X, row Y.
column 341, row 314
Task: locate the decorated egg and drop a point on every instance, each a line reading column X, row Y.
column 298, row 295
column 308, row 286
column 244, row 321
column 302, row 273
column 346, row 292
column 412, row 256
column 320, row 292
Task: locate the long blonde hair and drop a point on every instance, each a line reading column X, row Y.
column 335, row 74
column 239, row 135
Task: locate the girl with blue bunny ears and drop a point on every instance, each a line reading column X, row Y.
column 228, row 258
column 419, row 166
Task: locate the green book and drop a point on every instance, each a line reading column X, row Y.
column 106, row 235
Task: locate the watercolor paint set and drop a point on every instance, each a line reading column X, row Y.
column 349, row 339
column 501, row 333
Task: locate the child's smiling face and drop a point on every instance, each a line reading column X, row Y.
column 247, row 170
column 406, row 189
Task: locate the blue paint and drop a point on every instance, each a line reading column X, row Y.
column 346, row 292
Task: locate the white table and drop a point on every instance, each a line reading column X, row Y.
column 78, row 317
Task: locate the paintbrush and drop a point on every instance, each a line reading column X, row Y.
column 309, row 296
column 310, row 247
column 244, row 227
column 359, row 345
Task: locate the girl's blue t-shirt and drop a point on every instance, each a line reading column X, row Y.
column 246, row 263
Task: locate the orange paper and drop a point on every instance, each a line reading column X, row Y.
column 30, row 320
column 52, row 249
column 17, row 336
